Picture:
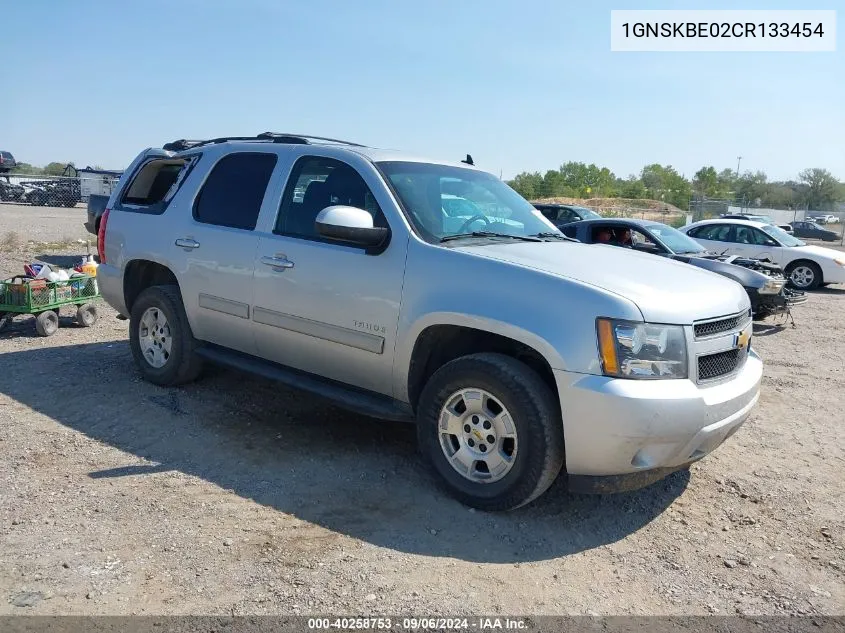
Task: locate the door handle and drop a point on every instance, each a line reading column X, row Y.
column 187, row 243
column 279, row 263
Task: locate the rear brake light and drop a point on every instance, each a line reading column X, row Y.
column 101, row 236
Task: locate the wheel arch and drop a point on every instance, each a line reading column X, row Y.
column 437, row 343
column 140, row 274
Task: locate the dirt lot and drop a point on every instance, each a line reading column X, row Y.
column 238, row 496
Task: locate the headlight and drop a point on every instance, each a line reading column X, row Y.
column 772, row 287
column 641, row 350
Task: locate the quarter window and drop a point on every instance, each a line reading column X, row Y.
column 234, row 190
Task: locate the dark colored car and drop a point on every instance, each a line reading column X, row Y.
column 561, row 214
column 10, row 192
column 764, row 282
column 814, row 231
column 7, row 162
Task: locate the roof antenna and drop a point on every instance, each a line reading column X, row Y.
column 468, row 160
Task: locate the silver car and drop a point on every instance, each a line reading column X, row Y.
column 353, row 272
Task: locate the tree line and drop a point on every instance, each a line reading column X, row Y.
column 814, row 188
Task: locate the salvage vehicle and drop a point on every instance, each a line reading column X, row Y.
column 560, row 214
column 518, row 352
column 9, row 191
column 62, row 191
column 814, row 231
column 806, row 267
column 764, row 283
column 758, row 218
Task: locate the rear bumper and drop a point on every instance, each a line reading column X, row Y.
column 110, row 282
column 630, row 433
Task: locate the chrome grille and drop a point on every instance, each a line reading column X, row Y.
column 711, row 328
column 721, row 363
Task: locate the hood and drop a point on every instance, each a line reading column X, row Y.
column 819, row 251
column 745, row 276
column 665, row 291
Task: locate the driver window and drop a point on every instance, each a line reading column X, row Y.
column 316, row 183
column 760, row 238
column 643, row 242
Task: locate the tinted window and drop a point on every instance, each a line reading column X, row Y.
column 232, row 194
column 715, row 232
column 5, row 154
column 316, row 183
column 750, row 235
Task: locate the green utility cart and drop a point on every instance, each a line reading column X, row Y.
column 42, row 298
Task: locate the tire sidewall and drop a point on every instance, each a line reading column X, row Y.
column 525, row 411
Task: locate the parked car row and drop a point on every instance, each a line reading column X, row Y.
column 428, row 292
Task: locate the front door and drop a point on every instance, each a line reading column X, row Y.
column 324, row 307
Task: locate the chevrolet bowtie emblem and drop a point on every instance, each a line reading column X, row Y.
column 741, row 340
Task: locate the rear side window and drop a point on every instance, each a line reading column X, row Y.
column 713, row 232
column 155, row 183
column 5, row 155
column 233, row 192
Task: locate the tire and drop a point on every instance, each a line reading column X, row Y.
column 537, row 453
column 47, row 323
column 176, row 344
column 86, row 315
column 5, row 319
column 38, row 199
column 809, row 275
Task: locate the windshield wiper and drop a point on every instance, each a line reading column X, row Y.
column 554, row 236
column 461, row 236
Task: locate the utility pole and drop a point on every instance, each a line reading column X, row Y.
column 738, row 159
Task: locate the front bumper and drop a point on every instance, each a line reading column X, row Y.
column 630, row 433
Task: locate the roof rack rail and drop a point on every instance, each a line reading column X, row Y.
column 299, row 139
column 286, row 137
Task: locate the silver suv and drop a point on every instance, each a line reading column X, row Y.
column 353, row 273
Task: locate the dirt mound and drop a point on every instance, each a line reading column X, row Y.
column 639, row 204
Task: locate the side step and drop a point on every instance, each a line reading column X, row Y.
column 350, row 398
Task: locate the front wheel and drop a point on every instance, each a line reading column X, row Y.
column 491, row 429
column 160, row 338
column 804, row 275
column 47, row 323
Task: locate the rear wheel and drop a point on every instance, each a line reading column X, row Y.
column 86, row 315
column 804, row 275
column 160, row 338
column 491, row 429
column 47, row 323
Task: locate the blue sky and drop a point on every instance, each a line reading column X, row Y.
column 520, row 85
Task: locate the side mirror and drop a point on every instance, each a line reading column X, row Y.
column 350, row 225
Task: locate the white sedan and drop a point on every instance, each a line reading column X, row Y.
column 807, row 267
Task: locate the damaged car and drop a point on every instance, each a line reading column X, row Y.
column 764, row 282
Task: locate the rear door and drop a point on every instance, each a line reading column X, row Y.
column 213, row 244
column 715, row 237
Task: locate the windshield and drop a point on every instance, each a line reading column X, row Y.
column 676, row 241
column 782, row 236
column 587, row 214
column 442, row 200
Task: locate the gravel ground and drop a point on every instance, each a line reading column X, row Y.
column 238, row 496
column 43, row 224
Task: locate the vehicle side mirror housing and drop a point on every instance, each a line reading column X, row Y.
column 352, row 226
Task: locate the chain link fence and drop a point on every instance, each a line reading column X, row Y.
column 56, row 191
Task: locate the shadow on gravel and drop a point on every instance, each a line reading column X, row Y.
column 292, row 452
column 767, row 329
column 62, row 261
column 831, row 290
